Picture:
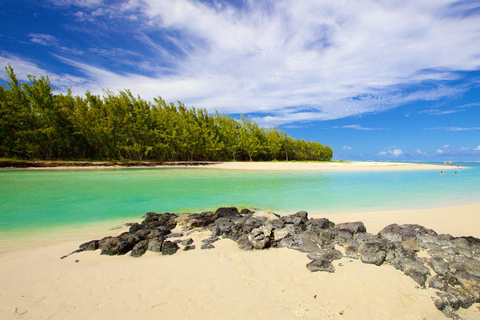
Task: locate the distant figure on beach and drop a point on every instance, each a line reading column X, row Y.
column 450, row 162
column 444, row 163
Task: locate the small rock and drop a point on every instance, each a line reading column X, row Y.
column 320, row 265
column 186, row 242
column 169, row 248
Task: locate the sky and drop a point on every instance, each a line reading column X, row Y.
column 378, row 80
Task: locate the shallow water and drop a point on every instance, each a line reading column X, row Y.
column 39, row 199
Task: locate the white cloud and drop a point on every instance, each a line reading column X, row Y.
column 43, row 39
column 420, row 152
column 355, row 127
column 394, row 153
column 455, row 128
column 457, row 151
column 341, row 59
column 61, row 82
column 346, row 148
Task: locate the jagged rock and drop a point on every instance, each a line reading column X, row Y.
column 351, row 227
column 437, row 283
column 230, row 212
column 139, row 249
column 342, row 236
column 169, row 248
column 130, row 238
column 279, row 234
column 415, row 269
column 394, row 232
column 207, row 246
column 373, row 252
column 260, row 237
column 244, row 243
column 245, row 211
column 89, row 246
column 114, row 246
column 189, row 247
column 438, row 265
column 266, row 216
column 136, row 227
column 302, row 242
column 351, row 249
column 318, row 225
column 365, row 237
column 298, row 218
column 222, row 226
column 174, row 235
column 187, row 242
column 210, row 240
column 449, row 312
column 155, row 245
column 320, row 265
column 329, row 255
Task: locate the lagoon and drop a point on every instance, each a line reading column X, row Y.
column 36, row 200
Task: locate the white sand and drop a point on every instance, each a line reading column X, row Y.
column 223, row 283
column 272, row 166
column 325, row 166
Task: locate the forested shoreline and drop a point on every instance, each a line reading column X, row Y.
column 36, row 124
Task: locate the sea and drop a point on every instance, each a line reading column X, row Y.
column 45, row 200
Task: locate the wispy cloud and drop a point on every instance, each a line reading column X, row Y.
column 61, row 82
column 271, row 57
column 355, row 127
column 438, row 111
column 455, row 128
column 346, row 148
column 43, row 39
column 393, row 153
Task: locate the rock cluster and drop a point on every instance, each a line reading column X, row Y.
column 449, row 264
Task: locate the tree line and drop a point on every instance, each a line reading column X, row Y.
column 35, row 123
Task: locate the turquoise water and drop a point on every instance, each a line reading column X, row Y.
column 32, row 200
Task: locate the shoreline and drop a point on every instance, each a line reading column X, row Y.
column 444, row 219
column 35, row 283
column 251, row 166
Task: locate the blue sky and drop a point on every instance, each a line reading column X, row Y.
column 375, row 80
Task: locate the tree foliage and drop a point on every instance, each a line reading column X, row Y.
column 37, row 124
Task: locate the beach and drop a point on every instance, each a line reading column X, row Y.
column 236, row 165
column 225, row 282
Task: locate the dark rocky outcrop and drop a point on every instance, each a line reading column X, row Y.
column 449, row 264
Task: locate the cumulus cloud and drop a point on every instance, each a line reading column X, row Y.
column 346, row 148
column 280, row 57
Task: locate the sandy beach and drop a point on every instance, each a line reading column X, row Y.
column 256, row 166
column 222, row 283
column 325, row 166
